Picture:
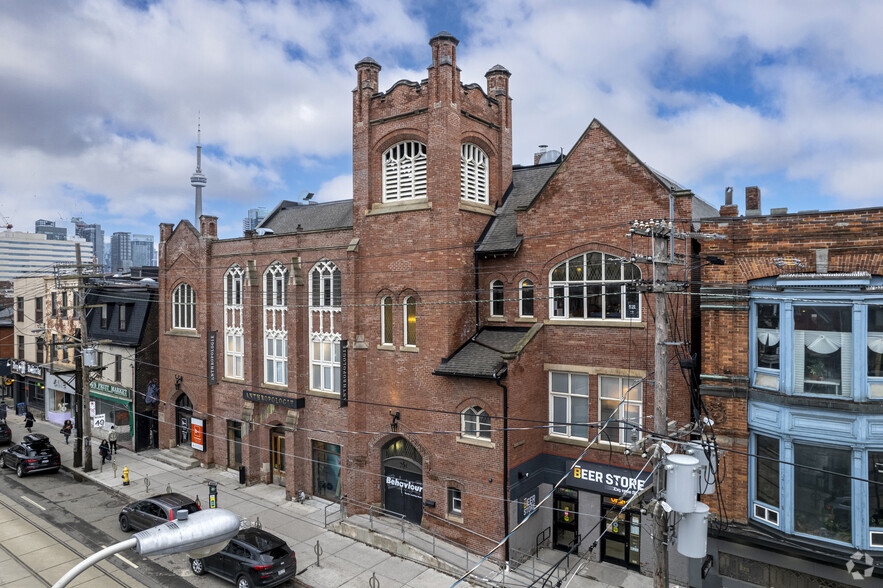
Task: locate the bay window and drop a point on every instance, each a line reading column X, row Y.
column 875, row 351
column 766, row 479
column 823, row 492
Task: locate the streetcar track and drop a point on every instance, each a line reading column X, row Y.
column 6, row 500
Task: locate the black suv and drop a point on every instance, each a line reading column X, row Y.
column 154, row 511
column 34, row 454
column 252, row 558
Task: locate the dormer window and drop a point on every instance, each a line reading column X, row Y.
column 473, row 174
column 404, row 171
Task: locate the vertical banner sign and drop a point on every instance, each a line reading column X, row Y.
column 344, row 377
column 212, row 361
column 197, row 434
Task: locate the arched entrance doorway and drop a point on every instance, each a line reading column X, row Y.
column 402, row 469
column 183, row 412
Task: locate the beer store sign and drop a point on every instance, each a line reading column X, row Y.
column 605, row 479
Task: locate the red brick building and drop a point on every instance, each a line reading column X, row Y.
column 442, row 345
column 792, row 376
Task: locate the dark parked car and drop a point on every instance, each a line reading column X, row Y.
column 5, row 433
column 154, row 511
column 252, row 558
column 34, row 454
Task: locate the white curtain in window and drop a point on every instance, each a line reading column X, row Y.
column 768, row 336
column 823, row 343
column 875, row 342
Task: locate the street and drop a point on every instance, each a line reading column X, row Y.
column 50, row 522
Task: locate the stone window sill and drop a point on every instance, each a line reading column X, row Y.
column 395, row 207
column 454, row 518
column 614, row 323
column 183, row 333
column 324, row 394
column 496, row 319
column 386, row 347
column 410, row 348
column 470, row 206
column 477, row 442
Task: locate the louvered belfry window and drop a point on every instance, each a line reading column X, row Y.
column 404, row 171
column 473, row 174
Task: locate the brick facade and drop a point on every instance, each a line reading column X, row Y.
column 424, row 249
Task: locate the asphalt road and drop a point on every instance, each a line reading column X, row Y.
column 51, row 522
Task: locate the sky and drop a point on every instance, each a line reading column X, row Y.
column 100, row 99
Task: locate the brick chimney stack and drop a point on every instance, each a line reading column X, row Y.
column 752, row 201
column 729, row 209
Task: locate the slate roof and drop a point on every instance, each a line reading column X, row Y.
column 137, row 299
column 501, row 236
column 482, row 356
column 324, row 216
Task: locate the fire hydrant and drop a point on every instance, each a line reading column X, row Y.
column 126, row 476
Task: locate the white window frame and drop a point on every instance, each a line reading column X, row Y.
column 275, row 331
column 556, row 428
column 325, row 314
column 410, row 302
column 630, row 394
column 522, row 286
column 404, row 171
column 473, row 174
column 233, row 331
column 497, row 298
column 571, row 275
column 183, row 307
column 455, row 501
column 475, row 423
column 386, row 326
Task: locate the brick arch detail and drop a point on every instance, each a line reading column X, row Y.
column 399, row 136
column 580, row 249
column 472, row 401
column 481, row 141
column 378, row 442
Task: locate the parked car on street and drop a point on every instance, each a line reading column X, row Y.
column 5, row 433
column 253, row 558
column 34, row 454
column 154, row 511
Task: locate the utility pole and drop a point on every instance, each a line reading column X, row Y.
column 660, row 405
column 82, row 378
column 78, row 401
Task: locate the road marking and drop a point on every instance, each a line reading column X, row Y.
column 32, row 502
column 122, row 558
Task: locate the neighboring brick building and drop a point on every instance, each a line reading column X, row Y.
column 440, row 344
column 792, row 372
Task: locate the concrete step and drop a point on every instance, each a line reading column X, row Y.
column 178, row 457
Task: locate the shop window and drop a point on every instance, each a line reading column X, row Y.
column 620, row 400
column 475, row 423
column 595, row 286
column 410, row 308
column 496, row 298
column 823, row 350
column 569, row 405
column 525, row 298
column 455, row 501
column 823, row 492
column 326, row 470
column 473, row 173
column 386, row 320
column 766, row 479
column 183, row 308
column 404, row 171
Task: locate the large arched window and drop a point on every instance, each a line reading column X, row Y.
column 525, row 298
column 325, row 338
column 233, row 332
column 404, row 171
column 594, row 286
column 386, row 321
column 475, row 423
column 183, row 307
column 496, row 298
column 275, row 331
column 473, row 173
column 410, row 315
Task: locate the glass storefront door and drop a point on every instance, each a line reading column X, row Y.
column 326, row 470
column 234, row 444
column 621, row 544
column 277, row 455
column 565, row 528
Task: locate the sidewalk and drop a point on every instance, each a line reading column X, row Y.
column 344, row 562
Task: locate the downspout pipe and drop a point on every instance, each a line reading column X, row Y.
column 475, row 271
column 500, row 373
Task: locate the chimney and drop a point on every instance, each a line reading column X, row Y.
column 539, row 154
column 752, row 201
column 165, row 231
column 208, row 226
column 729, row 209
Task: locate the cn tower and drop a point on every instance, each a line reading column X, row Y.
column 197, row 180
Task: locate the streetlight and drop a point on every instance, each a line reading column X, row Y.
column 200, row 534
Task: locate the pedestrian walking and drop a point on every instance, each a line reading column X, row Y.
column 29, row 421
column 66, row 429
column 112, row 437
column 2, row 411
column 104, row 451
